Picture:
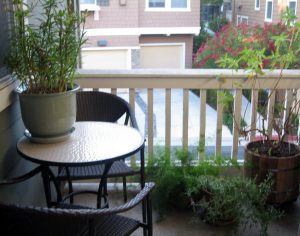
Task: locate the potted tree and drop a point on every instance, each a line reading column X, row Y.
column 43, row 57
column 273, row 153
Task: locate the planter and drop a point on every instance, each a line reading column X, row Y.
column 285, row 171
column 48, row 117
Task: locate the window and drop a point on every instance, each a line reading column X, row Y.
column 156, row 3
column 88, row 1
column 167, row 5
column 4, row 36
column 269, row 11
column 257, row 5
column 293, row 6
column 101, row 3
column 179, row 4
column 104, row 3
column 242, row 19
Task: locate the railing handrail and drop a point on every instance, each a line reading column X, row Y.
column 187, row 78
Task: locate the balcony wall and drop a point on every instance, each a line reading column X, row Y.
column 11, row 164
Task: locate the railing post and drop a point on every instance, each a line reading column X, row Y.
column 150, row 121
column 185, row 118
column 236, row 122
column 202, row 124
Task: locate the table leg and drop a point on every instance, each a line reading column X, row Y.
column 70, row 185
column 144, row 202
column 48, row 176
column 102, row 187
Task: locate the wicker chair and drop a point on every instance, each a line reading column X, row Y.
column 72, row 220
column 100, row 106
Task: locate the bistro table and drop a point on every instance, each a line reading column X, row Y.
column 91, row 143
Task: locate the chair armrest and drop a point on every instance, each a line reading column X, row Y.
column 21, row 178
column 92, row 212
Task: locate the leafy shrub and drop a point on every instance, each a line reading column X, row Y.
column 217, row 23
column 231, row 40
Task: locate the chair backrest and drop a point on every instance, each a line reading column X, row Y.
column 69, row 221
column 100, row 106
column 35, row 221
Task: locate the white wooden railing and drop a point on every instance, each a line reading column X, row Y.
column 194, row 79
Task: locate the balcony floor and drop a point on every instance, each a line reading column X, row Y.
column 184, row 223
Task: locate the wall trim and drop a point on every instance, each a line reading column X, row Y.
column 142, row 31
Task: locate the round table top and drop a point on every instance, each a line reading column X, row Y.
column 90, row 143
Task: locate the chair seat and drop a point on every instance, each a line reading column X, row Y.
column 115, row 225
column 118, row 169
column 110, row 225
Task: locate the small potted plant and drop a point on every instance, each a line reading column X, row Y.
column 43, row 57
column 223, row 200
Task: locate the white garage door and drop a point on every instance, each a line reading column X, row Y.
column 162, row 56
column 105, row 59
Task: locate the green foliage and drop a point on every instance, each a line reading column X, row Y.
column 169, row 174
column 44, row 56
column 200, row 39
column 217, row 23
column 212, row 2
column 233, row 199
column 281, row 53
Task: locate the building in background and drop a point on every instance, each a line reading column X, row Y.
column 126, row 34
column 255, row 12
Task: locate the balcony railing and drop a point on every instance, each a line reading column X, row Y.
column 201, row 80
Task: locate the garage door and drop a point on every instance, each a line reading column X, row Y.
column 104, row 59
column 162, row 56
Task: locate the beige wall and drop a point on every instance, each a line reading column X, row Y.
column 105, row 59
column 187, row 39
column 258, row 16
column 162, row 56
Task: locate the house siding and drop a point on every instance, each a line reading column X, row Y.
column 114, row 41
column 170, row 19
column 115, row 16
column 257, row 17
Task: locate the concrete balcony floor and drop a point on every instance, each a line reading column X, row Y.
column 182, row 223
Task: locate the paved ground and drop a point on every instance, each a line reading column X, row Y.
column 176, row 120
column 183, row 223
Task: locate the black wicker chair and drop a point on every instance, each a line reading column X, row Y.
column 100, row 106
column 72, row 220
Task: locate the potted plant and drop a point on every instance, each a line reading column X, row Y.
column 222, row 200
column 43, row 57
column 273, row 153
column 170, row 172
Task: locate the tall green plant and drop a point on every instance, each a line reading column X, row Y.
column 44, row 56
column 282, row 54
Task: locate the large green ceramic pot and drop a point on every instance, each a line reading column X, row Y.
column 48, row 116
